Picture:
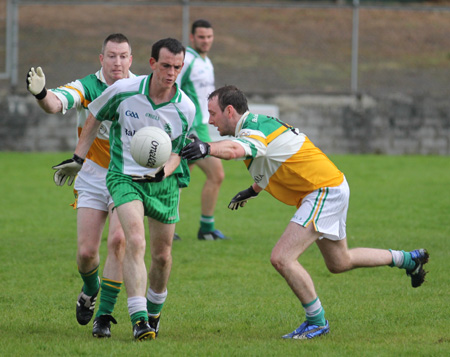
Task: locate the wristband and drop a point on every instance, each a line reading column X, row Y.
column 41, row 95
column 78, row 159
column 252, row 190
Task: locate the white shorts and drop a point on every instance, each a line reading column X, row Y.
column 326, row 208
column 90, row 187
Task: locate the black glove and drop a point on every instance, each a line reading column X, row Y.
column 158, row 177
column 195, row 150
column 67, row 170
column 241, row 198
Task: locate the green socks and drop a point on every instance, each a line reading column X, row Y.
column 155, row 302
column 139, row 307
column 154, row 309
column 138, row 316
column 402, row 259
column 91, row 283
column 315, row 314
column 206, row 223
column 110, row 291
column 408, row 263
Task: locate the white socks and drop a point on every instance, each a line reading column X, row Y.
column 398, row 258
column 136, row 304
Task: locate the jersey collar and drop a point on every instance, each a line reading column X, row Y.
column 195, row 53
column 241, row 122
column 100, row 76
column 144, row 89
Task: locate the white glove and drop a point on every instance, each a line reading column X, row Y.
column 241, row 198
column 67, row 170
column 36, row 83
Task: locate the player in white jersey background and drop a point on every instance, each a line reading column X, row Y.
column 153, row 100
column 93, row 201
column 285, row 163
column 197, row 81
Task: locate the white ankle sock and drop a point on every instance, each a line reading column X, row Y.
column 397, row 258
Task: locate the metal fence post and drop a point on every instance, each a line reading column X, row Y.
column 185, row 22
column 8, row 53
column 13, row 26
column 355, row 32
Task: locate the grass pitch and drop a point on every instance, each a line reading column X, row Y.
column 224, row 298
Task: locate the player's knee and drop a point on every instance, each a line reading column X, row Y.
column 337, row 267
column 162, row 260
column 116, row 238
column 216, row 178
column 87, row 253
column 136, row 245
column 214, row 171
column 278, row 262
column 220, row 176
column 116, row 243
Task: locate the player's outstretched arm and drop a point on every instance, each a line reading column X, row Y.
column 242, row 197
column 226, row 149
column 48, row 101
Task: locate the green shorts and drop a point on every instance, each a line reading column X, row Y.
column 160, row 199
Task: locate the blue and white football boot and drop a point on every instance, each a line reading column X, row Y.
column 307, row 331
column 214, row 235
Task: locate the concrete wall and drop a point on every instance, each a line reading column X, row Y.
column 337, row 124
column 24, row 126
column 348, row 124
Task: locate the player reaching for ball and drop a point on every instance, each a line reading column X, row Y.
column 285, row 163
column 153, row 100
column 92, row 199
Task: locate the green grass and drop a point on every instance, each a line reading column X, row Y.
column 225, row 299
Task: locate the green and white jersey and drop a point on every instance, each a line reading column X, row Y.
column 197, row 81
column 127, row 104
column 282, row 160
column 79, row 94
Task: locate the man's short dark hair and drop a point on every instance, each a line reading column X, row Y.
column 200, row 23
column 116, row 38
column 173, row 45
column 230, row 95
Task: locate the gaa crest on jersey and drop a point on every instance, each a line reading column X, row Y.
column 130, row 113
column 168, row 129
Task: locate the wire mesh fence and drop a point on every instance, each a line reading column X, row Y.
column 260, row 48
